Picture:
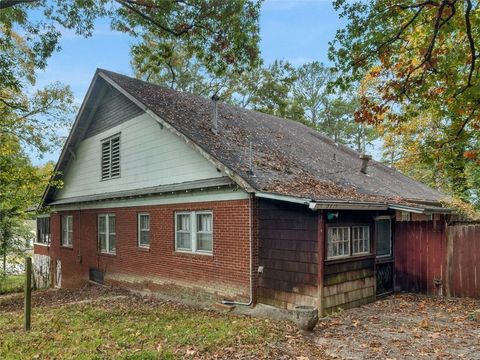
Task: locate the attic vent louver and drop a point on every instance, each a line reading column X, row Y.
column 215, row 99
column 365, row 159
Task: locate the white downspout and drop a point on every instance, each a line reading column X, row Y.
column 250, row 302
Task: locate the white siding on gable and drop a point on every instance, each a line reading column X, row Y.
column 149, row 156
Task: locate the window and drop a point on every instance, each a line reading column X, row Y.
column 360, row 240
column 344, row 241
column 111, row 157
column 193, row 232
column 107, row 233
column 144, row 230
column 383, row 237
column 67, row 230
column 338, row 242
column 43, row 230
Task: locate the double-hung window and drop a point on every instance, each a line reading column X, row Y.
column 144, row 230
column 345, row 241
column 67, row 230
column 111, row 157
column 107, row 233
column 194, row 232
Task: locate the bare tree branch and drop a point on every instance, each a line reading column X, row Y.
column 470, row 42
column 128, row 4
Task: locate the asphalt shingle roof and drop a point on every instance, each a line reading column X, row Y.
column 287, row 157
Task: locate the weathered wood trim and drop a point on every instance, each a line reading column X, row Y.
column 354, row 264
column 230, row 173
column 321, row 261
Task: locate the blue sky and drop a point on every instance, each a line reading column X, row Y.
column 293, row 30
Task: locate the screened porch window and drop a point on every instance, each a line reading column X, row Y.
column 383, row 236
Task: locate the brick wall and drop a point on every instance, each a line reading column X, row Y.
column 225, row 273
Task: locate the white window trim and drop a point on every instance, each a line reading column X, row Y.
column 368, row 240
column 351, row 254
column 109, row 139
column 107, row 233
column 68, row 244
column 193, row 232
column 349, row 240
column 139, row 232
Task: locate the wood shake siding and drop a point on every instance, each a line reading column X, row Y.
column 348, row 284
column 288, row 253
column 112, row 110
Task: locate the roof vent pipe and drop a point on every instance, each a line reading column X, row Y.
column 365, row 159
column 215, row 99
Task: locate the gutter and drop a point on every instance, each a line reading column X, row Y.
column 353, row 205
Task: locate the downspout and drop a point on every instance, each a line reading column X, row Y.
column 250, row 301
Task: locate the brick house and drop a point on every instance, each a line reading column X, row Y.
column 165, row 190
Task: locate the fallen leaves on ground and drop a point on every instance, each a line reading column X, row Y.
column 403, row 326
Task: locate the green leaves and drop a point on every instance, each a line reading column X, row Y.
column 222, row 35
column 418, row 60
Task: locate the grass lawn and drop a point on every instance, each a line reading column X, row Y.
column 130, row 327
column 11, row 283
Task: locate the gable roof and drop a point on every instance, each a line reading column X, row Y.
column 286, row 157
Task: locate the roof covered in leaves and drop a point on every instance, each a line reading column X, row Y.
column 264, row 152
column 286, row 157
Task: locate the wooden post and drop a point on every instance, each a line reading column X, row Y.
column 28, row 292
column 321, row 260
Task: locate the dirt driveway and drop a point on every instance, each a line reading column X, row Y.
column 403, row 327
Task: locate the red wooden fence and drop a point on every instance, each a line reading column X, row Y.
column 435, row 259
column 420, row 249
column 463, row 261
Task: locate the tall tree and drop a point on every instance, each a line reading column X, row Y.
column 418, row 61
column 310, row 89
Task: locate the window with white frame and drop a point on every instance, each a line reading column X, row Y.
column 111, row 157
column 360, row 240
column 194, row 231
column 144, row 230
column 107, row 233
column 345, row 241
column 67, row 230
column 338, row 242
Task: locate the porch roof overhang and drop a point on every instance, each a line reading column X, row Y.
column 155, row 190
column 329, row 204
